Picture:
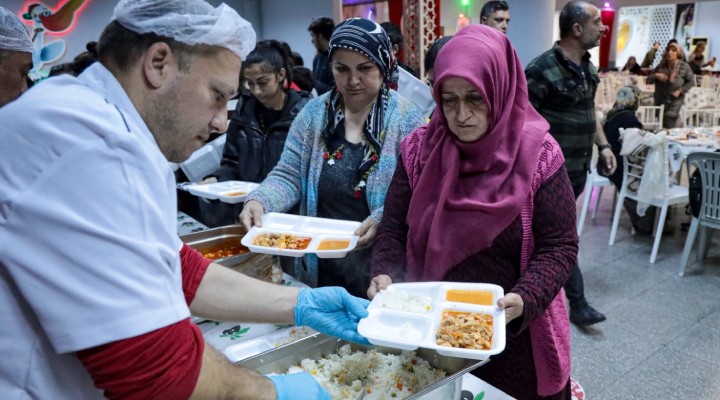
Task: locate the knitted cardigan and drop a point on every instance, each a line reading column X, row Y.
column 295, row 178
column 550, row 332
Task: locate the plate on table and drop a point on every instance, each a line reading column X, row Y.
column 228, row 192
column 440, row 316
column 295, row 236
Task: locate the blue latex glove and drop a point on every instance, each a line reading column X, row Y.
column 300, row 386
column 332, row 311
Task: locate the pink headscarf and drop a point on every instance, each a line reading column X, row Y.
column 468, row 193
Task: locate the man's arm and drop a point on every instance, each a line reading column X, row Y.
column 226, row 295
column 219, row 379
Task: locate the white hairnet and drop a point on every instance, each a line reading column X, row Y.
column 13, row 35
column 189, row 21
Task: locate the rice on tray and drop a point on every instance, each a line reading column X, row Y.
column 382, row 376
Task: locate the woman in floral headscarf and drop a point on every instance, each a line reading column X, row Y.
column 341, row 152
column 673, row 77
column 481, row 195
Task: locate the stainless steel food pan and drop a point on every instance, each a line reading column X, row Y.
column 217, row 238
column 314, row 347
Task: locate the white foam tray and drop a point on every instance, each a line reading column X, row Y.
column 318, row 229
column 409, row 330
column 223, row 191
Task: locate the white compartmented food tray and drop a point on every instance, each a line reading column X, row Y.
column 228, row 192
column 409, row 330
column 319, row 230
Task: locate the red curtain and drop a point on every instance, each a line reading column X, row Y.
column 608, row 19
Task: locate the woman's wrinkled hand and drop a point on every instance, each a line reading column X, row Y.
column 661, row 77
column 251, row 214
column 378, row 283
column 677, row 93
column 513, row 305
column 366, row 231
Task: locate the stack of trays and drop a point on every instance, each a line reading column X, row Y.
column 409, row 315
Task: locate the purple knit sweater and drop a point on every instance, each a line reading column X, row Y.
column 536, row 275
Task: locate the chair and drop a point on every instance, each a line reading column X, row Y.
column 634, row 172
column 709, row 166
column 700, row 117
column 651, row 117
column 594, row 180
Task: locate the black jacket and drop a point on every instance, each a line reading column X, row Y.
column 249, row 154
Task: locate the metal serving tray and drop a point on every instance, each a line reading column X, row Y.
column 282, row 358
column 217, row 238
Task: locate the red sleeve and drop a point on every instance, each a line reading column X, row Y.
column 194, row 266
column 163, row 364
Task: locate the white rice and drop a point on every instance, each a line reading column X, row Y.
column 382, row 376
column 404, row 301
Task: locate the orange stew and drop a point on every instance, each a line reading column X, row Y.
column 481, row 297
column 334, row 244
column 233, row 194
column 228, row 251
column 282, row 241
column 465, row 330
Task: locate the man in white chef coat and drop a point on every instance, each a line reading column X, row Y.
column 95, row 286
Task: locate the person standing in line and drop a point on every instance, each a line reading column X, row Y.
column 96, row 288
column 396, row 39
column 562, row 83
column 15, row 57
column 673, row 78
column 496, row 14
column 650, row 55
column 320, row 31
column 341, row 152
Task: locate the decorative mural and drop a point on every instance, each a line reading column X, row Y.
column 639, row 27
column 47, row 22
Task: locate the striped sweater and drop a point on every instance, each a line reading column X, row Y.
column 295, row 178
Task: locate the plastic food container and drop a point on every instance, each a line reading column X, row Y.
column 408, row 330
column 328, row 238
column 228, row 192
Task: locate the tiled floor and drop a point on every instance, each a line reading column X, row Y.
column 661, row 339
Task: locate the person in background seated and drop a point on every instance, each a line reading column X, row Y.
column 673, row 78
column 258, row 129
column 341, row 153
column 650, row 55
column 496, row 14
column 622, row 115
column 396, row 39
column 632, row 66
column 697, row 58
column 320, row 31
column 481, row 195
column 15, row 57
column 95, row 300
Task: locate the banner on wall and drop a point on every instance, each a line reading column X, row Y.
column 49, row 22
column 684, row 25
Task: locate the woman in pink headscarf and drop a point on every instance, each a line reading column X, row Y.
column 481, row 195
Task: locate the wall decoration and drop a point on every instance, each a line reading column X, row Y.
column 55, row 22
column 684, row 25
column 639, row 27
